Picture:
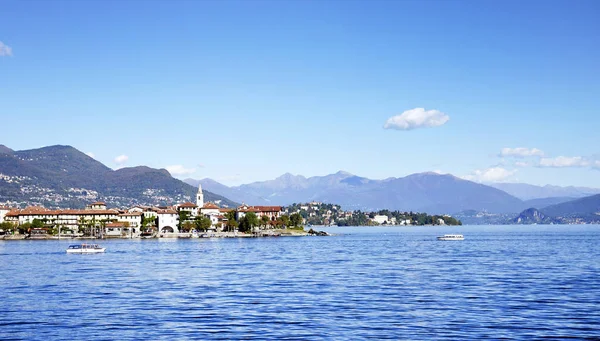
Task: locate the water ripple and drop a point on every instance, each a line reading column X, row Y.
column 396, row 284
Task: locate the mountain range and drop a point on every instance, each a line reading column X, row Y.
column 62, row 176
column 424, row 192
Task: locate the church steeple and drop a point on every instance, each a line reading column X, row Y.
column 200, row 197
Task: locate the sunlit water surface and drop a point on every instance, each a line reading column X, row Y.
column 365, row 283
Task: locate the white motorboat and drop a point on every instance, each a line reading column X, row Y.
column 451, row 237
column 85, row 248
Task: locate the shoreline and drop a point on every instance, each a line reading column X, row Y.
column 270, row 234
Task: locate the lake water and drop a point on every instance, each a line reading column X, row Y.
column 501, row 282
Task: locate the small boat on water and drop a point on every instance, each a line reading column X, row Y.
column 85, row 248
column 451, row 237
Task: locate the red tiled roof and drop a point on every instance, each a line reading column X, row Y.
column 167, row 212
column 268, row 208
column 115, row 225
column 98, row 203
column 225, row 210
column 259, row 208
column 188, row 204
column 248, row 209
column 210, row 205
column 12, row 213
column 44, row 211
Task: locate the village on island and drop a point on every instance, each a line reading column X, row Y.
column 189, row 220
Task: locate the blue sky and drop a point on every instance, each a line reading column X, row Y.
column 241, row 91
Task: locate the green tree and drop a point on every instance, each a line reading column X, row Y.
column 285, row 220
column 37, row 224
column 183, row 217
column 205, row 223
column 24, row 228
column 202, row 223
column 232, row 224
column 244, row 226
column 187, row 226
column 265, row 220
column 251, row 220
column 8, row 227
column 296, row 219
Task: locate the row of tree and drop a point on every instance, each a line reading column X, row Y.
column 247, row 223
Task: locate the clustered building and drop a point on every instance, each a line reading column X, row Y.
column 118, row 222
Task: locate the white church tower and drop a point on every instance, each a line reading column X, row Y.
column 200, row 197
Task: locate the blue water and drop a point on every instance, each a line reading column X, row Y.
column 369, row 283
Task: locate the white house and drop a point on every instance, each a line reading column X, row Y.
column 134, row 219
column 167, row 221
column 192, row 209
column 114, row 230
column 3, row 211
column 209, row 209
column 380, row 219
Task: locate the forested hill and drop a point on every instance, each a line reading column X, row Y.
column 62, row 176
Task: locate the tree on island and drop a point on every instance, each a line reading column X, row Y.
column 232, row 224
column 8, row 227
column 248, row 222
column 187, row 226
column 202, row 223
column 24, row 228
column 296, row 219
column 183, row 217
column 265, row 221
column 285, row 220
column 37, row 224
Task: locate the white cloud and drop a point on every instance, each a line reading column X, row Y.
column 521, row 164
column 492, row 174
column 564, row 161
column 596, row 164
column 90, row 154
column 5, row 50
column 521, row 152
column 121, row 159
column 180, row 170
column 416, row 118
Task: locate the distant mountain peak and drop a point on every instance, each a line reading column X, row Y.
column 289, row 176
column 344, row 173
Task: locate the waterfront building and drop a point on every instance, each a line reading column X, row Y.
column 188, row 207
column 273, row 212
column 209, row 209
column 133, row 219
column 3, row 211
column 167, row 221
